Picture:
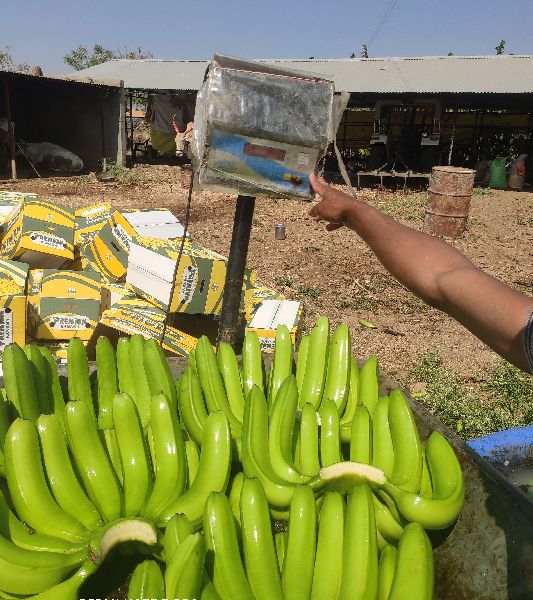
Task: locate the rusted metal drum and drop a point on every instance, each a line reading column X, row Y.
column 450, row 192
column 186, row 176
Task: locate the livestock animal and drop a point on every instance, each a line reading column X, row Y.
column 51, row 157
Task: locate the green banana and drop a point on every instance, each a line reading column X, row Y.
column 18, row 382
column 361, row 436
column 136, row 468
column 54, row 385
column 255, row 455
column 258, row 544
column 146, row 582
column 31, row 572
column 191, row 404
column 298, row 566
column 337, row 384
column 386, row 524
column 382, row 446
column 426, row 487
column 413, row 575
column 212, row 384
column 106, row 368
column 96, row 472
column 38, row 367
column 192, row 460
column 330, row 443
column 234, row 496
column 369, row 384
column 142, row 397
column 308, row 441
column 192, row 359
column 329, row 550
column 70, row 588
column 29, row 491
column 353, row 394
column 170, row 467
column 303, row 348
column 62, row 479
column 79, row 384
column 212, row 475
column 280, row 542
column 229, row 369
column 443, row 508
column 387, row 566
column 252, row 363
column 177, row 529
column 183, row 575
column 224, row 563
column 158, row 373
column 407, row 470
column 5, row 421
column 315, row 364
column 360, row 558
column 280, row 431
column 126, row 383
column 281, row 366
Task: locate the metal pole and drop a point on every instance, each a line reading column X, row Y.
column 10, row 132
column 231, row 301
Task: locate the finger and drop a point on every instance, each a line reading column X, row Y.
column 333, row 226
column 317, row 185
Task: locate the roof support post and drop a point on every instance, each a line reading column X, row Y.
column 102, row 131
column 10, row 131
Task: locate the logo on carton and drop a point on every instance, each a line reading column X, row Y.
column 122, row 236
column 69, row 322
column 48, row 240
column 187, row 284
column 6, row 327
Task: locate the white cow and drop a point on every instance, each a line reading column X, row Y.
column 51, row 157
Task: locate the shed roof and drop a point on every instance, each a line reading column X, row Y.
column 505, row 74
column 75, row 78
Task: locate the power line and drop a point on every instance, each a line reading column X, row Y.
column 386, row 15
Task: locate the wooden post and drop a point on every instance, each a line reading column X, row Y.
column 131, row 128
column 102, row 132
column 10, row 131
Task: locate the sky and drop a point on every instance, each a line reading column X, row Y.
column 43, row 31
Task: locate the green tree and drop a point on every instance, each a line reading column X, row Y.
column 7, row 63
column 81, row 58
column 500, row 48
column 364, row 51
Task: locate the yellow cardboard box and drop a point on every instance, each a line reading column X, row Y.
column 9, row 200
column 39, row 233
column 89, row 220
column 63, row 304
column 13, row 276
column 109, row 249
column 135, row 315
column 271, row 313
column 253, row 297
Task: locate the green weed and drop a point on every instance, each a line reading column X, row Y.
column 283, row 281
column 308, row 291
column 479, row 191
column 123, row 175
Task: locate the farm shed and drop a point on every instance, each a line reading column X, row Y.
column 485, row 102
column 83, row 115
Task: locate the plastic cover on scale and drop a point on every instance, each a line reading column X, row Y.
column 260, row 130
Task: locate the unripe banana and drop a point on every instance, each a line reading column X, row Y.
column 308, row 441
column 252, row 364
column 177, row 529
column 183, row 575
column 106, row 368
column 136, row 467
column 29, row 491
column 280, row 542
column 79, row 384
column 386, row 524
column 170, row 468
column 38, row 367
column 315, row 364
column 5, row 421
column 413, row 575
column 212, row 475
column 96, row 472
column 224, row 563
column 280, row 431
column 62, row 479
column 298, row 566
column 18, row 381
column 229, row 370
column 192, row 460
column 330, row 443
column 158, row 373
column 281, row 366
column 337, row 384
column 258, row 544
column 329, row 551
column 303, row 348
column 146, row 581
column 426, row 487
column 234, row 496
column 191, row 404
column 369, row 384
column 361, row 436
column 353, row 394
column 387, row 566
column 382, row 447
column 360, row 560
column 407, row 470
column 143, row 397
column 126, row 382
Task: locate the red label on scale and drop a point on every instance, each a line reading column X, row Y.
column 264, row 151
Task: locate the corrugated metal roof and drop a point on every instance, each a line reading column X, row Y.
column 506, row 74
column 75, row 78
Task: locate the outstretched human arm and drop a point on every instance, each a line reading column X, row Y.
column 435, row 271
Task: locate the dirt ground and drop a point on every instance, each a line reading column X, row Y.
column 335, row 274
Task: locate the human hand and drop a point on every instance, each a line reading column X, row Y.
column 333, row 206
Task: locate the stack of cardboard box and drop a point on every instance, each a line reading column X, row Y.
column 67, row 274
